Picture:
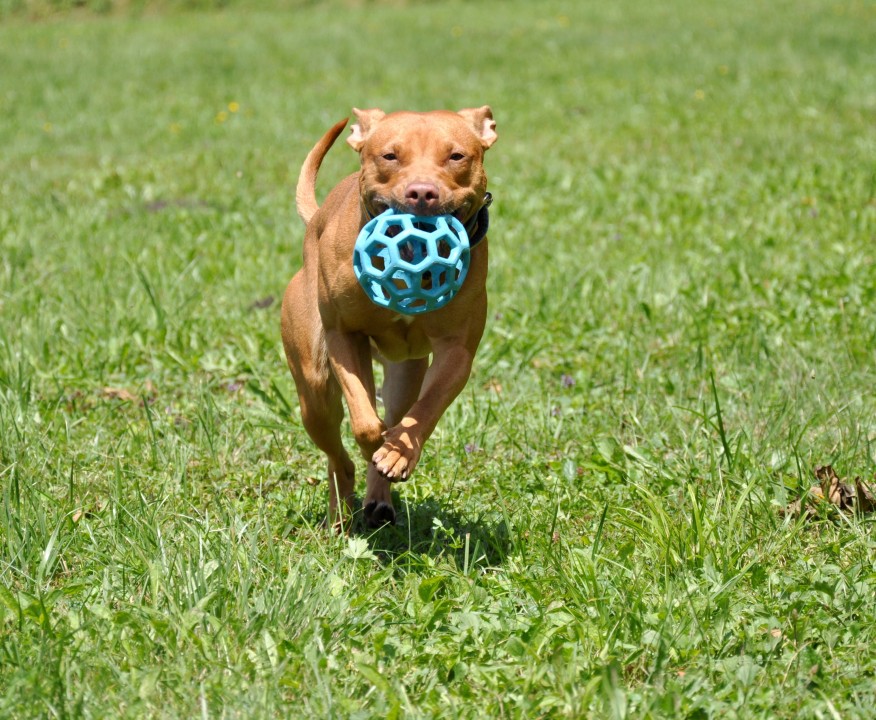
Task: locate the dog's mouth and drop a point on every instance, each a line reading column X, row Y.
column 377, row 206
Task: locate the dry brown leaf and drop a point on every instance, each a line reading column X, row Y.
column 866, row 498
column 494, row 385
column 88, row 512
column 793, row 509
column 834, row 490
column 112, row 393
column 150, row 393
column 262, row 303
column 831, row 489
column 83, row 513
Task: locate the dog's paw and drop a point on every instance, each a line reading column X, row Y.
column 398, row 455
column 378, row 514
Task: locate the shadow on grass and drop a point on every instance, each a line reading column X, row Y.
column 427, row 528
column 431, row 528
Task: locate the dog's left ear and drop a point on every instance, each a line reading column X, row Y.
column 481, row 120
column 360, row 131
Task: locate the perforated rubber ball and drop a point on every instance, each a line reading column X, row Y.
column 409, row 263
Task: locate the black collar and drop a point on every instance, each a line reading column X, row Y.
column 476, row 228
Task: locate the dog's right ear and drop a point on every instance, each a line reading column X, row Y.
column 360, row 131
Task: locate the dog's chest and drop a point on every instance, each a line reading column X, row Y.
column 401, row 339
column 406, row 320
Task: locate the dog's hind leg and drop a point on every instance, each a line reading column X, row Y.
column 320, row 398
column 322, row 413
column 401, row 387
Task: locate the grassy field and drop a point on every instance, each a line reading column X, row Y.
column 682, row 327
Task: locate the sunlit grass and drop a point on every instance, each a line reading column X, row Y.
column 682, row 326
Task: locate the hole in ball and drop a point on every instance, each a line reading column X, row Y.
column 406, row 251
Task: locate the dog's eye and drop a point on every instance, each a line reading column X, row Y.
column 390, row 156
column 457, row 156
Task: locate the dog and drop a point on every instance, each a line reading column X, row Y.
column 428, row 164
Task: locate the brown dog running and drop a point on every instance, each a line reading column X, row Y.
column 421, row 163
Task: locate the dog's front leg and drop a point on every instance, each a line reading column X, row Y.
column 444, row 380
column 402, row 382
column 350, row 359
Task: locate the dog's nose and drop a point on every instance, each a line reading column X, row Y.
column 422, row 195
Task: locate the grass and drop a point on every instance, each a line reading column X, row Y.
column 682, row 289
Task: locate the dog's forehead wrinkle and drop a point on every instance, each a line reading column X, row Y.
column 425, row 128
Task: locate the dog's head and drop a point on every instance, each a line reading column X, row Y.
column 423, row 163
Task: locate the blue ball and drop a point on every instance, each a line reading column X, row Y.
column 410, row 263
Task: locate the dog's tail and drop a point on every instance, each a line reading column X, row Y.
column 305, row 192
